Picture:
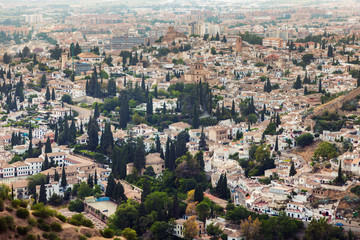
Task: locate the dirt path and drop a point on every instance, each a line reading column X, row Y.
column 306, row 152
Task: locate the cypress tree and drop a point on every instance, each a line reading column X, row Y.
column 320, row 86
column 90, row 181
column 124, row 112
column 93, row 137
column 297, row 84
column 96, row 111
column 340, row 178
column 172, row 157
column 56, row 176
column 110, row 186
column 46, row 163
column 30, row 150
column 42, row 195
column 63, row 177
column 53, row 94
column 195, row 120
column 202, row 142
column 56, row 132
column 47, row 178
column 198, row 194
column 164, row 108
column 95, row 178
column 167, row 153
column 157, row 143
column 276, row 148
column 81, row 131
column 118, row 193
column 48, row 146
column 233, row 109
column 43, row 81
column 47, row 94
column 200, row 159
column 143, row 83
column 107, row 140
column 155, row 92
column 292, row 170
column 122, row 163
column 146, row 189
column 72, row 132
column 139, row 155
column 175, row 213
column 278, row 122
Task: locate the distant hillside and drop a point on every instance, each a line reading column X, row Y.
column 41, row 222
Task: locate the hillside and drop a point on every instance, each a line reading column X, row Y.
column 41, row 223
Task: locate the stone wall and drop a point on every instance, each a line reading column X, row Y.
column 333, row 105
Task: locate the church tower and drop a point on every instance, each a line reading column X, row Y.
column 238, row 46
column 64, row 57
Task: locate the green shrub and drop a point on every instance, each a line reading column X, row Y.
column 76, row 206
column 2, row 207
column 51, row 236
column 22, row 213
column 9, row 209
column 42, row 211
column 56, row 227
column 23, row 204
column 107, row 233
column 87, row 223
column 45, row 227
column 23, row 230
column 61, row 217
column 79, row 219
column 74, row 222
column 30, row 237
column 356, row 190
column 6, row 223
column 15, row 203
column 3, row 225
column 82, row 237
column 32, row 222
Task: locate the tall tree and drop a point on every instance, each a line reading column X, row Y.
column 63, row 177
column 110, row 186
column 95, row 178
column 43, row 81
column 46, row 163
column 320, row 86
column 292, row 170
column 195, row 120
column 56, row 176
column 96, row 111
column 42, row 195
column 233, row 112
column 93, row 134
column 139, row 155
column 53, row 94
column 297, row 84
column 198, row 194
column 47, row 94
column 202, row 142
column 157, row 143
column 107, row 140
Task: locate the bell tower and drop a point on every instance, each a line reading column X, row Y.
column 238, row 46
